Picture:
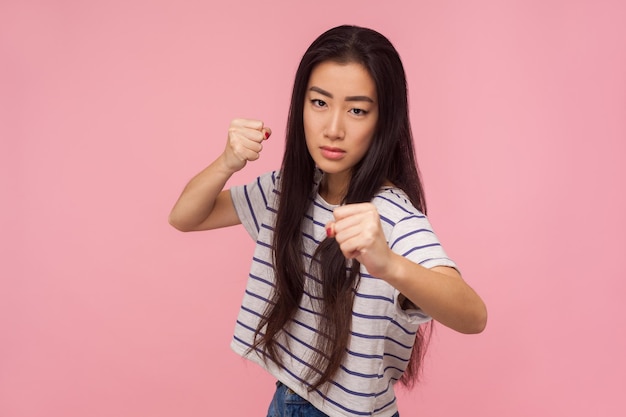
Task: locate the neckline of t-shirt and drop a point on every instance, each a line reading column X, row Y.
column 384, row 189
column 325, row 203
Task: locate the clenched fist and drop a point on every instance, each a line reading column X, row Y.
column 359, row 233
column 245, row 137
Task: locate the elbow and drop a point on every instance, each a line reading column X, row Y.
column 472, row 321
column 478, row 328
column 177, row 224
column 478, row 323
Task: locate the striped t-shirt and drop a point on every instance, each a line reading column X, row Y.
column 382, row 333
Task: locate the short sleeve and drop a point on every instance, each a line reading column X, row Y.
column 254, row 201
column 413, row 238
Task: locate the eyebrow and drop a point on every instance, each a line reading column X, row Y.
column 348, row 98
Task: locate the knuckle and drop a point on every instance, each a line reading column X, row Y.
column 238, row 149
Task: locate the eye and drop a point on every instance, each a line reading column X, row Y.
column 318, row 103
column 358, row 112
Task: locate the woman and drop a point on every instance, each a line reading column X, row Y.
column 346, row 272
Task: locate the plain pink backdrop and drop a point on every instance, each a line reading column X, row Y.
column 107, row 108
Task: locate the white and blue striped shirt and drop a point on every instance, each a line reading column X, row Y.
column 382, row 333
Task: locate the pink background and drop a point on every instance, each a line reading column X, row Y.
column 107, row 108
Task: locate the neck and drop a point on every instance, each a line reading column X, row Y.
column 333, row 189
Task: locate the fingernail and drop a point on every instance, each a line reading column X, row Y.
column 329, row 231
column 267, row 135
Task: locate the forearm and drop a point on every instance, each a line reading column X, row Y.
column 440, row 293
column 198, row 199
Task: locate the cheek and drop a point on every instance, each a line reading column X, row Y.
column 366, row 142
column 306, row 123
column 308, row 133
column 310, row 120
column 366, row 136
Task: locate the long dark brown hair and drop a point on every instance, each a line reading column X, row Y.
column 391, row 157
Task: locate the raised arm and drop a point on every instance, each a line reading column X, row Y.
column 204, row 204
column 440, row 292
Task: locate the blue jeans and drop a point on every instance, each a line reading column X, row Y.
column 287, row 403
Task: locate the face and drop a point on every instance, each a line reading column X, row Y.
column 340, row 115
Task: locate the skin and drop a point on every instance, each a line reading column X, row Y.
column 440, row 291
column 340, row 116
column 204, row 204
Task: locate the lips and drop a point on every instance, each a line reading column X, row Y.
column 329, row 152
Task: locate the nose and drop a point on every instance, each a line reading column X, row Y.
column 335, row 126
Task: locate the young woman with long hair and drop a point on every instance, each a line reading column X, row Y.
column 347, row 273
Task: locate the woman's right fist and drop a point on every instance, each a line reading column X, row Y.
column 244, row 142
